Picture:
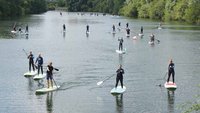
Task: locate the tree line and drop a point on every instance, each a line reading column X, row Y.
column 163, row 10
column 12, row 8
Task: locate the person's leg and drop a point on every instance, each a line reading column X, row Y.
column 117, row 80
column 173, row 74
column 121, row 81
column 29, row 66
column 41, row 69
column 169, row 73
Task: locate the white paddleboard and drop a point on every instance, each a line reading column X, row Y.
column 13, row 31
column 159, row 27
column 40, row 76
column 151, row 42
column 121, row 52
column 87, row 32
column 135, row 38
column 170, row 85
column 29, row 74
column 118, row 90
column 141, row 34
column 45, row 90
column 127, row 35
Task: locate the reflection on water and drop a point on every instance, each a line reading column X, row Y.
column 63, row 34
column 87, row 35
column 121, row 59
column 49, row 102
column 30, row 84
column 119, row 103
column 171, row 97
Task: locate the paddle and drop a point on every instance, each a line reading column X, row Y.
column 158, row 40
column 55, row 82
column 100, row 82
column 27, row 56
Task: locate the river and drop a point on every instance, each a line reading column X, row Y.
column 83, row 60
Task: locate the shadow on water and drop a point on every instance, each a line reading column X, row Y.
column 49, row 102
column 30, row 84
column 119, row 103
column 170, row 95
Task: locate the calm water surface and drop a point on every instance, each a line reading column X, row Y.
column 85, row 60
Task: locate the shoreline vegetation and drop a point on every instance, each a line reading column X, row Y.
column 163, row 10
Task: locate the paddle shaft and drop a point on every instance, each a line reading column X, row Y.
column 27, row 56
column 55, row 82
column 108, row 77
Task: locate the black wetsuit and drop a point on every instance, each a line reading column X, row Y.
column 49, row 72
column 141, row 30
column 120, row 44
column 171, row 72
column 40, row 62
column 128, row 31
column 126, row 25
column 27, row 28
column 152, row 38
column 119, row 24
column 113, row 28
column 64, row 27
column 120, row 73
column 87, row 28
column 31, row 62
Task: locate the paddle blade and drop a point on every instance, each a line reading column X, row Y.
column 99, row 83
column 56, row 69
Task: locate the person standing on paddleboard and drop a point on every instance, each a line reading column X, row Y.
column 39, row 60
column 31, row 61
column 120, row 43
column 113, row 27
column 50, row 75
column 171, row 71
column 152, row 37
column 141, row 30
column 87, row 29
column 128, row 32
column 26, row 31
column 64, row 28
column 119, row 77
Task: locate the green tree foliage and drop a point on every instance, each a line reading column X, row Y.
column 178, row 10
column 105, row 6
column 11, row 8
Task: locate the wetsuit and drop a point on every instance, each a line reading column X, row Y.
column 64, row 27
column 49, row 72
column 31, row 62
column 120, row 73
column 40, row 63
column 120, row 44
column 152, row 38
column 113, row 28
column 141, row 30
column 87, row 28
column 128, row 31
column 126, row 25
column 119, row 24
column 171, row 72
column 27, row 28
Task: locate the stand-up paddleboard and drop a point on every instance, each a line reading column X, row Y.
column 114, row 32
column 159, row 27
column 127, row 35
column 13, row 31
column 30, row 74
column 140, row 34
column 40, row 76
column 135, row 38
column 45, row 90
column 121, row 51
column 118, row 90
column 170, row 85
column 151, row 42
column 87, row 32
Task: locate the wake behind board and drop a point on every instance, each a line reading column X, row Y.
column 45, row 90
column 40, row 76
column 30, row 74
column 170, row 85
column 118, row 90
column 121, row 51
